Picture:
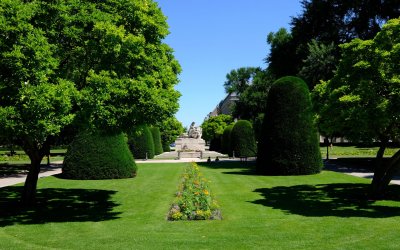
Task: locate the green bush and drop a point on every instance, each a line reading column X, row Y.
column 158, row 148
column 141, row 142
column 289, row 141
column 226, row 147
column 95, row 156
column 242, row 139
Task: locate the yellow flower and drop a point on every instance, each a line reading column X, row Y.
column 205, row 191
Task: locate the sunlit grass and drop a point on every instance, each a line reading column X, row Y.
column 324, row 211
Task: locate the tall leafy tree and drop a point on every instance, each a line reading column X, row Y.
column 337, row 22
column 251, row 102
column 101, row 64
column 282, row 59
column 213, row 128
column 238, row 80
column 170, row 129
column 319, row 64
column 363, row 98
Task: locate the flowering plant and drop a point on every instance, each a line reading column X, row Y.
column 193, row 199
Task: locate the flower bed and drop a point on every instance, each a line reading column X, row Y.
column 193, row 199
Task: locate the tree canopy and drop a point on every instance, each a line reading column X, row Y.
column 362, row 100
column 101, row 64
column 214, row 126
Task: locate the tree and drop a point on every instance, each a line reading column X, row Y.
column 282, row 59
column 337, row 22
column 251, row 102
column 319, row 64
column 240, row 79
column 242, row 139
column 213, row 128
column 289, row 143
column 102, row 65
column 170, row 129
column 362, row 100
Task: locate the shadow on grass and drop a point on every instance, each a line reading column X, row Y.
column 233, row 167
column 13, row 170
column 57, row 205
column 340, row 200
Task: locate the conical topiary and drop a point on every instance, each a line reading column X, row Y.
column 242, row 139
column 158, row 148
column 141, row 142
column 98, row 156
column 289, row 141
column 226, row 147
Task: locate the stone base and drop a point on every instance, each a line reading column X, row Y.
column 190, row 144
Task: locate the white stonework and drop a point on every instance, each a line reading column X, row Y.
column 190, row 144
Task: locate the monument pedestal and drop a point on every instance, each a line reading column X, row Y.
column 190, row 144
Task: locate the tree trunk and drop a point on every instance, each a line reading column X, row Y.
column 384, row 173
column 36, row 155
column 29, row 192
column 379, row 171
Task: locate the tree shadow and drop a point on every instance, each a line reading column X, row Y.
column 340, row 200
column 57, row 205
column 233, row 167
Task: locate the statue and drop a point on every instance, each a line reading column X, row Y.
column 194, row 132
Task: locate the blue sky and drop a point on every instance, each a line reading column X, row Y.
column 211, row 38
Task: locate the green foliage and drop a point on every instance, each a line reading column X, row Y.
column 243, row 140
column 362, row 100
column 226, row 142
column 141, row 142
column 98, row 63
column 96, row 156
column 282, row 59
column 289, row 142
column 240, row 79
column 251, row 101
column 158, row 148
column 194, row 200
column 213, row 128
column 319, row 64
column 170, row 129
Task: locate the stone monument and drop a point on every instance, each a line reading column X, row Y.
column 190, row 145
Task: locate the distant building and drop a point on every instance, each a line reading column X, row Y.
column 225, row 106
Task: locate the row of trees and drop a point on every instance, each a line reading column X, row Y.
column 347, row 52
column 98, row 66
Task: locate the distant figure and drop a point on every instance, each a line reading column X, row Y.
column 209, row 160
column 217, row 159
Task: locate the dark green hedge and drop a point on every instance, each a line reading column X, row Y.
column 242, row 139
column 158, row 148
column 166, row 147
column 289, row 141
column 226, row 147
column 141, row 142
column 95, row 156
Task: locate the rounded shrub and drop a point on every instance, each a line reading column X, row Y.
column 96, row 156
column 141, row 142
column 242, row 139
column 158, row 148
column 226, row 147
column 289, row 141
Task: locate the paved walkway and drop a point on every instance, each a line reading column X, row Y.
column 55, row 168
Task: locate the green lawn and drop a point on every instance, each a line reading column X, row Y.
column 324, row 211
column 355, row 151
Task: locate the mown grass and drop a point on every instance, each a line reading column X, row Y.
column 324, row 211
column 355, row 151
